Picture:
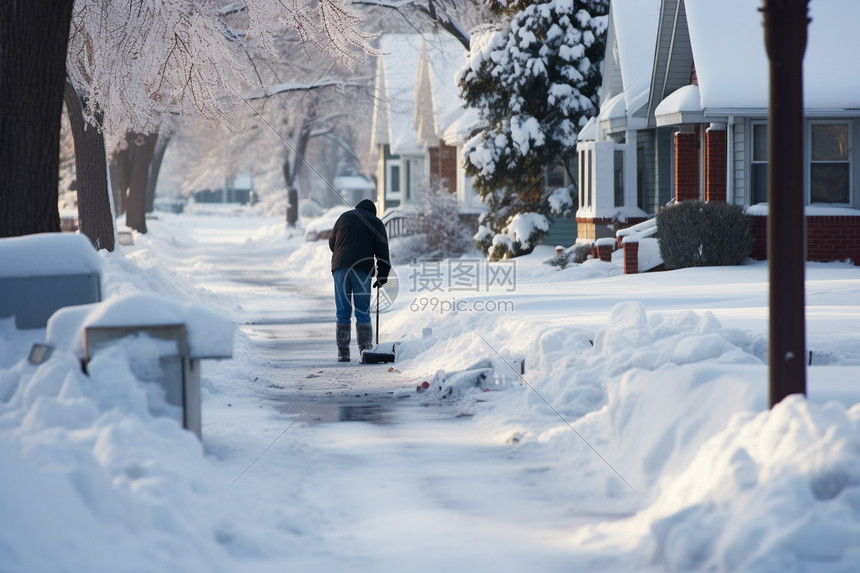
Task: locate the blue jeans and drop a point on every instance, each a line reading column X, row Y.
column 352, row 287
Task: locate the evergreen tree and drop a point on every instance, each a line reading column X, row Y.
column 534, row 83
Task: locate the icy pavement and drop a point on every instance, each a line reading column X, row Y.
column 639, row 438
column 398, row 481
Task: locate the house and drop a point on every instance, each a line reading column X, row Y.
column 420, row 126
column 416, row 101
column 236, row 189
column 353, row 188
column 624, row 164
column 698, row 130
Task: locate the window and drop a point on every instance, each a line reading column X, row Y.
column 619, row 178
column 640, row 176
column 830, row 162
column 758, row 164
column 392, row 178
column 588, row 179
column 555, row 177
column 582, row 160
column 408, row 179
column 413, row 170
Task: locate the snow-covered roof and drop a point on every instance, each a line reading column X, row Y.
column 416, row 71
column 636, row 23
column 459, row 129
column 732, row 65
column 613, row 114
column 445, row 58
column 243, row 181
column 349, row 182
column 681, row 106
column 614, row 108
column 589, row 131
column 398, row 73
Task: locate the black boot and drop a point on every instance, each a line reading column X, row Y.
column 342, row 338
column 364, row 333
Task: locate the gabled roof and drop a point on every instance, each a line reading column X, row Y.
column 416, row 95
column 732, row 67
column 673, row 57
column 630, row 51
column 395, row 93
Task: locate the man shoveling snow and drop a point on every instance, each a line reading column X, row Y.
column 358, row 243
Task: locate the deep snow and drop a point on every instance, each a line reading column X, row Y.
column 638, row 438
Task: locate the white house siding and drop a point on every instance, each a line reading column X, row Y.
column 656, row 175
column 739, row 163
column 604, row 177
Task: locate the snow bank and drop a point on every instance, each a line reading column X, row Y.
column 48, row 254
column 209, row 333
column 675, row 407
column 646, row 425
column 776, row 491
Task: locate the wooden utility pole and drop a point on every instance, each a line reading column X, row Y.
column 785, row 33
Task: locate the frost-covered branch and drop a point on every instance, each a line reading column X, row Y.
column 141, row 61
column 306, row 86
column 440, row 12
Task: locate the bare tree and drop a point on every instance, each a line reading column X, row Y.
column 94, row 213
column 133, row 62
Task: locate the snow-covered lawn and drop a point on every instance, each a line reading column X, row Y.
column 637, row 438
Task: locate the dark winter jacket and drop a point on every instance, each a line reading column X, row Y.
column 356, row 238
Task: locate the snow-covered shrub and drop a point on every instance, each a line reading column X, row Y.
column 520, row 236
column 577, row 254
column 700, row 234
column 308, row 208
column 408, row 248
column 438, row 230
column 561, row 202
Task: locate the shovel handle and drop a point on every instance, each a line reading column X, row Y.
column 377, row 313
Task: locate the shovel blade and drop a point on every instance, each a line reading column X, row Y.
column 379, row 354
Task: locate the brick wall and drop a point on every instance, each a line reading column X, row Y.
column 686, row 167
column 448, row 165
column 604, row 252
column 759, row 233
column 715, row 165
column 433, row 153
column 593, row 228
column 443, row 164
column 828, row 238
column 631, row 258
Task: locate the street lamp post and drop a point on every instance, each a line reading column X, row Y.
column 785, row 33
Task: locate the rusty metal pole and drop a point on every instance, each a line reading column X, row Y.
column 785, row 33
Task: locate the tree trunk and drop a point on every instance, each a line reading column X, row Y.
column 33, row 44
column 94, row 212
column 119, row 179
column 154, row 170
column 141, row 151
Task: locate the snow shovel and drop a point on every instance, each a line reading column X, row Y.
column 381, row 352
